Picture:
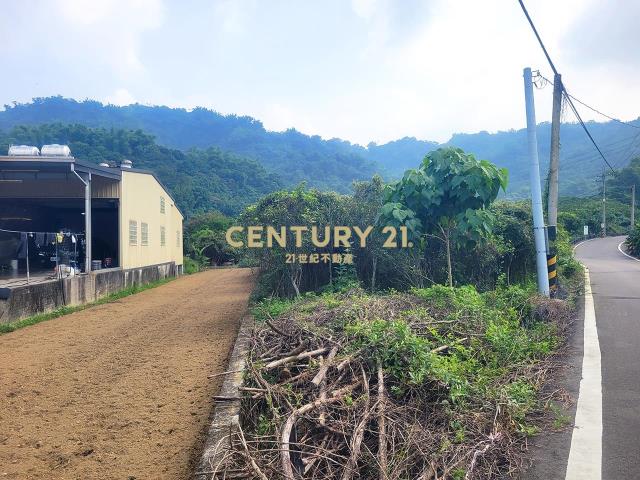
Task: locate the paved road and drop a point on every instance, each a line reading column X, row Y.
column 615, row 283
column 119, row 390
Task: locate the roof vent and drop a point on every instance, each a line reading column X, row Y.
column 23, row 151
column 126, row 163
column 103, row 164
column 55, row 150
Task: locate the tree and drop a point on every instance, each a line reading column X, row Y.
column 446, row 198
column 205, row 238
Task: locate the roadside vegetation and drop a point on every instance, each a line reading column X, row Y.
column 425, row 362
column 633, row 241
column 436, row 382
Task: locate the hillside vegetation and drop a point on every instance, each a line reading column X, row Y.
column 334, row 164
column 199, row 179
column 293, row 156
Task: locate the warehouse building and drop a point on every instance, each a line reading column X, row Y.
column 61, row 217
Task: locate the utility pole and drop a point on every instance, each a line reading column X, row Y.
column 552, row 199
column 604, row 203
column 633, row 206
column 536, row 192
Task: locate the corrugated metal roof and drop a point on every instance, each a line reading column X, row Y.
column 60, row 164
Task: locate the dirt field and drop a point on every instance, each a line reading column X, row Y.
column 119, row 391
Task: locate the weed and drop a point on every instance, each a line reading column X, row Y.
column 560, row 418
column 458, row 474
column 403, row 354
column 271, row 307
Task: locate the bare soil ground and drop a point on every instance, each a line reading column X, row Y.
column 119, row 391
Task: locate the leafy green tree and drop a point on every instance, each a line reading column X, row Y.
column 446, row 198
column 205, row 238
column 299, row 207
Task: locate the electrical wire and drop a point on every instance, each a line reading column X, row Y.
column 546, row 82
column 566, row 94
column 524, row 9
column 628, row 124
column 575, row 112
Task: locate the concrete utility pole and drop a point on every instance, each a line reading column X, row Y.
column 552, row 199
column 536, row 192
column 604, row 202
column 633, row 206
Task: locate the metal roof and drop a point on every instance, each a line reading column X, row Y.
column 55, row 164
column 63, row 165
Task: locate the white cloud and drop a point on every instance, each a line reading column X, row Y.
column 121, row 96
column 231, row 15
column 85, row 12
column 361, row 70
column 365, row 9
column 278, row 117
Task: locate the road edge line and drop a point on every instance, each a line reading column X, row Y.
column 626, row 254
column 583, row 241
column 585, row 454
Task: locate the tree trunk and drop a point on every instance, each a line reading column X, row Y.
column 295, row 278
column 448, row 244
column 373, row 274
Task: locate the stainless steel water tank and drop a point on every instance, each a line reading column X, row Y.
column 23, row 151
column 55, row 150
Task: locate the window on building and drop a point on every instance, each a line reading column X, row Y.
column 178, row 238
column 144, row 234
column 162, row 237
column 161, row 204
column 133, row 232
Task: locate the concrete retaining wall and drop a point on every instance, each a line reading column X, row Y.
column 226, row 414
column 28, row 300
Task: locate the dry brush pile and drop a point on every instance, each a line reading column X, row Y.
column 437, row 384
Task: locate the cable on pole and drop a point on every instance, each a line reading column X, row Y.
column 566, row 94
column 546, row 82
column 575, row 112
column 524, row 9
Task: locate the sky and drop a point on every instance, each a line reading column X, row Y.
column 360, row 70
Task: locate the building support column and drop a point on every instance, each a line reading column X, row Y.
column 87, row 223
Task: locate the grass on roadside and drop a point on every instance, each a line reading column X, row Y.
column 59, row 312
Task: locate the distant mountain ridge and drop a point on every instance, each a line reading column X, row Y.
column 334, row 164
column 295, row 157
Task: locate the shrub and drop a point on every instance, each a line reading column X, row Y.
column 190, row 266
column 633, row 241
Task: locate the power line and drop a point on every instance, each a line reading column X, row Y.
column 628, row 124
column 566, row 94
column 524, row 9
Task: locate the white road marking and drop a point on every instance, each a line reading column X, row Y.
column 585, row 456
column 580, row 243
column 626, row 254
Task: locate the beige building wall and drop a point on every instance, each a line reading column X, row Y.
column 140, row 202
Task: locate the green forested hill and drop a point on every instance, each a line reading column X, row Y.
column 334, row 164
column 199, row 179
column 295, row 157
column 399, row 155
column 580, row 164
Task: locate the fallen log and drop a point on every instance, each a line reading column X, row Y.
column 285, row 452
column 295, row 358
